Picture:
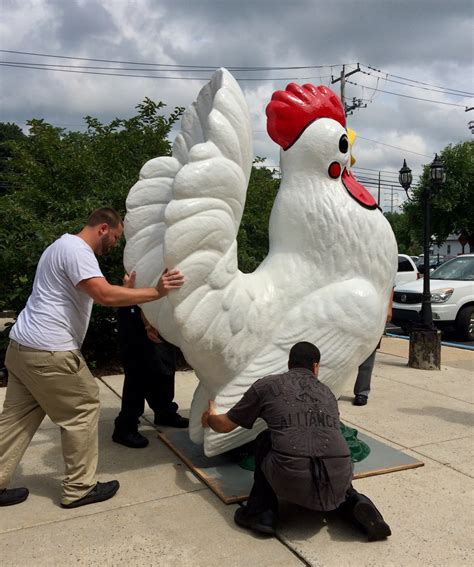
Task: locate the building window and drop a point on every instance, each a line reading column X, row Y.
column 449, row 249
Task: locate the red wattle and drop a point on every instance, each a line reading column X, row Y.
column 334, row 170
column 358, row 191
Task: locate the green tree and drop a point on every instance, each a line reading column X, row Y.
column 453, row 204
column 9, row 134
column 54, row 179
column 407, row 238
column 253, row 233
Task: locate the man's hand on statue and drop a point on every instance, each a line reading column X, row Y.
column 169, row 280
column 211, row 410
column 129, row 280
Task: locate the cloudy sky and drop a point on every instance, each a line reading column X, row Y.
column 422, row 49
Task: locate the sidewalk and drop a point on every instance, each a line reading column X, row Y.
column 164, row 516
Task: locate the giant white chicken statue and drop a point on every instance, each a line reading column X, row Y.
column 332, row 260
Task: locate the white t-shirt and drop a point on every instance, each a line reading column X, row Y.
column 57, row 313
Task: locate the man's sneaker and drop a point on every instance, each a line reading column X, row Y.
column 133, row 440
column 172, row 420
column 366, row 516
column 360, row 400
column 101, row 491
column 11, row 496
column 263, row 523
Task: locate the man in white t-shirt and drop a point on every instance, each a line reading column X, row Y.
column 47, row 373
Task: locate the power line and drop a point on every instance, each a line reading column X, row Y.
column 232, row 68
column 374, row 183
column 203, row 67
column 377, row 170
column 461, row 94
column 412, row 80
column 25, row 66
column 44, row 68
column 178, row 70
column 395, row 147
column 409, row 96
column 384, row 181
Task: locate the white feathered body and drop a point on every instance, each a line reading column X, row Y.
column 327, row 277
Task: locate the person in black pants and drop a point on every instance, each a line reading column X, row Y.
column 364, row 374
column 302, row 456
column 149, row 364
column 364, row 377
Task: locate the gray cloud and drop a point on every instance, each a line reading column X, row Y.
column 428, row 40
column 77, row 23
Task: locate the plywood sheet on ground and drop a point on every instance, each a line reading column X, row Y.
column 232, row 483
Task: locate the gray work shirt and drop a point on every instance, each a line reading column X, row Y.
column 309, row 462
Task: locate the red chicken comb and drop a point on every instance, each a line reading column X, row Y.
column 292, row 110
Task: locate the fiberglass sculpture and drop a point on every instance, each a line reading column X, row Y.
column 329, row 271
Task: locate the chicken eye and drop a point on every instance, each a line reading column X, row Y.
column 343, row 144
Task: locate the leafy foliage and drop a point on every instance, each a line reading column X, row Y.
column 407, row 238
column 453, row 204
column 54, row 179
column 253, row 233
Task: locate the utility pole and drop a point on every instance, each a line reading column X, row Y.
column 470, row 124
column 356, row 102
column 378, row 192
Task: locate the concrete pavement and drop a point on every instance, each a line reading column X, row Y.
column 163, row 515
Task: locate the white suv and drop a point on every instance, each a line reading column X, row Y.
column 407, row 270
column 452, row 298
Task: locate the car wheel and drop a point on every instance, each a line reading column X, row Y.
column 465, row 323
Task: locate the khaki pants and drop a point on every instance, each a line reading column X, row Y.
column 60, row 385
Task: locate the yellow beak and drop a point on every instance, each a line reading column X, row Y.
column 351, row 134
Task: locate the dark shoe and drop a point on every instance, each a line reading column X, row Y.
column 172, row 420
column 360, row 400
column 366, row 516
column 263, row 523
column 3, row 377
column 11, row 496
column 101, row 491
column 133, row 440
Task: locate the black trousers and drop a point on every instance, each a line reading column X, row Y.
column 262, row 496
column 149, row 371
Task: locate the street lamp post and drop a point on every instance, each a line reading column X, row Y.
column 425, row 339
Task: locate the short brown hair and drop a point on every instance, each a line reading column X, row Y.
column 105, row 215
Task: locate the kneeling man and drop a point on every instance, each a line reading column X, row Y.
column 302, row 456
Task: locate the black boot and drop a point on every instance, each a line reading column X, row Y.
column 131, row 439
column 364, row 514
column 263, row 523
column 171, row 420
column 126, row 433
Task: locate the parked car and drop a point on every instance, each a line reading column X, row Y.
column 407, row 270
column 452, row 298
column 435, row 262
